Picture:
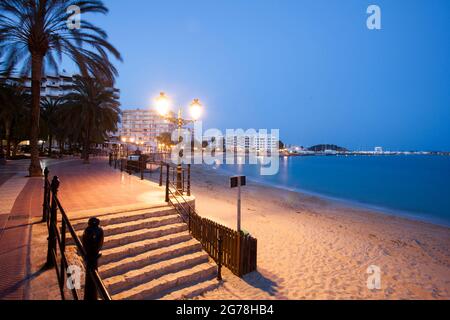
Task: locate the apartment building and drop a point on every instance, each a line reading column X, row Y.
column 52, row 86
column 142, row 126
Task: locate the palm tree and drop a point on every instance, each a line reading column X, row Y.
column 36, row 32
column 13, row 115
column 50, row 112
column 91, row 112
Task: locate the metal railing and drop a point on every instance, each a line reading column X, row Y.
column 89, row 248
column 235, row 250
column 143, row 167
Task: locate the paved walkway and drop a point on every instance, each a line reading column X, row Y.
column 85, row 190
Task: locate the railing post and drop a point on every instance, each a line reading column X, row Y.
column 52, row 225
column 45, row 203
column 141, row 166
column 189, row 180
column 92, row 242
column 161, row 174
column 167, row 184
column 219, row 259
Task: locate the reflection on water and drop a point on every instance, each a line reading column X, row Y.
column 418, row 185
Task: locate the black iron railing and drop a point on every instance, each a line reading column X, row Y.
column 89, row 248
column 235, row 250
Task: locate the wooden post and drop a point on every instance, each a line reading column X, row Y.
column 219, row 262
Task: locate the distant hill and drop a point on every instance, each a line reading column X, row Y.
column 323, row 147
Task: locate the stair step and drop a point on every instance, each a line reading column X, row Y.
column 135, row 248
column 131, row 226
column 146, row 258
column 121, row 217
column 138, row 276
column 169, row 282
column 192, row 291
column 143, row 234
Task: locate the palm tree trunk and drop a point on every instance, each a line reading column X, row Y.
column 86, row 148
column 61, row 148
column 35, row 169
column 8, row 146
column 2, row 152
column 50, row 140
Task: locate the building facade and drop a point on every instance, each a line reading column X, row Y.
column 53, row 86
column 143, row 126
column 241, row 143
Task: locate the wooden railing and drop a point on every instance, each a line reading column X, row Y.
column 88, row 248
column 235, row 250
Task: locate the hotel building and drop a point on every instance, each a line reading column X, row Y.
column 52, row 86
column 240, row 143
column 143, row 126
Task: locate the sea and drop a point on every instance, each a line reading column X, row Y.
column 412, row 186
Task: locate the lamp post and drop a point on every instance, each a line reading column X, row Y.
column 163, row 107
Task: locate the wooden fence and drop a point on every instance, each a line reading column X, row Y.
column 239, row 250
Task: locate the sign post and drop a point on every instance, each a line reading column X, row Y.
column 237, row 182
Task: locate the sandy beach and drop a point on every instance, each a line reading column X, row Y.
column 313, row 248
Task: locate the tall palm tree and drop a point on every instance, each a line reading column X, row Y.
column 36, row 32
column 91, row 111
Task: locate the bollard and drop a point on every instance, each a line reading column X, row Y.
column 167, row 184
column 161, row 174
column 52, row 224
column 188, row 180
column 92, row 242
column 141, row 166
column 46, row 194
column 219, row 262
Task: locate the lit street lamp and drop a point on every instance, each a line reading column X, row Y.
column 196, row 110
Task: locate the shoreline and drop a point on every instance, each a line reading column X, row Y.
column 355, row 204
column 314, row 248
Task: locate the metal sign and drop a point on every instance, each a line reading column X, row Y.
column 238, row 181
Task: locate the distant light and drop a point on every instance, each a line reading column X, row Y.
column 196, row 109
column 162, row 104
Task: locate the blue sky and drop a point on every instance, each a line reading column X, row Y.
column 310, row 68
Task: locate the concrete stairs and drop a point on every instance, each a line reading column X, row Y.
column 149, row 254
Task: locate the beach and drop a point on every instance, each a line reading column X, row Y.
column 314, row 248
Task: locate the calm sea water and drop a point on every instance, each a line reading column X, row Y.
column 413, row 186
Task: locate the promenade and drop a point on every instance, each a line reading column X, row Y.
column 85, row 190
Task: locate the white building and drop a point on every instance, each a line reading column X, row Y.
column 143, row 126
column 240, row 143
column 378, row 150
column 52, row 86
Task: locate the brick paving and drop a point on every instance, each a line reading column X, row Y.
column 84, row 188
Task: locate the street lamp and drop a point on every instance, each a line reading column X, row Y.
column 163, row 106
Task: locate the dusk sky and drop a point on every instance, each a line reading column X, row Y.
column 310, row 68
